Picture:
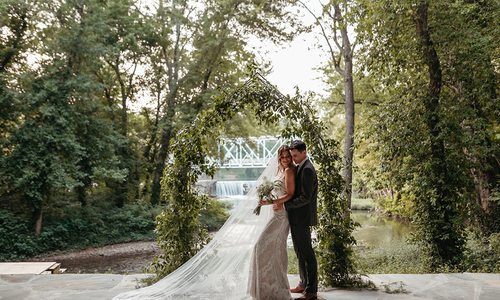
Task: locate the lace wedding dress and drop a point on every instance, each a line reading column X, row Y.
column 269, row 263
column 221, row 269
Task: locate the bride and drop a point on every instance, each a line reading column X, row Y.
column 269, row 263
column 221, row 270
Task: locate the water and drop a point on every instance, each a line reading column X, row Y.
column 233, row 192
column 378, row 231
column 224, row 189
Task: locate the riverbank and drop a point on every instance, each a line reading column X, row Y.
column 124, row 258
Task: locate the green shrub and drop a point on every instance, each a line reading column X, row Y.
column 214, row 214
column 17, row 241
column 74, row 227
column 362, row 204
column 400, row 205
column 482, row 253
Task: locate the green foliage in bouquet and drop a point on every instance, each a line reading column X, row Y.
column 265, row 192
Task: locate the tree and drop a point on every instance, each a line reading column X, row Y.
column 42, row 153
column 123, row 36
column 61, row 140
column 15, row 19
column 470, row 82
column 15, row 24
column 422, row 127
column 334, row 30
column 38, row 147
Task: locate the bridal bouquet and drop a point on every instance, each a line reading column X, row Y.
column 265, row 192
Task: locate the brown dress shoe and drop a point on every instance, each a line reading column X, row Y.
column 308, row 296
column 297, row 289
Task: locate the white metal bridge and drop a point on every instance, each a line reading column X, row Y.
column 247, row 153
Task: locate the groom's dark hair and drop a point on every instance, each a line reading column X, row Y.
column 298, row 145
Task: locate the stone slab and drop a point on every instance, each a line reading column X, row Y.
column 25, row 267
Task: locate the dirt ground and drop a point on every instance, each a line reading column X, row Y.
column 126, row 258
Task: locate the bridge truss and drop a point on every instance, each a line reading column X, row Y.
column 246, row 153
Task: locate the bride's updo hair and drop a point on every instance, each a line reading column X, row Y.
column 281, row 151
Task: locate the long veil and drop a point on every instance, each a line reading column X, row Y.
column 221, row 269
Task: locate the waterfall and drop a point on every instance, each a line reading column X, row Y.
column 233, row 188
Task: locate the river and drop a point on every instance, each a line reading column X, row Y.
column 377, row 231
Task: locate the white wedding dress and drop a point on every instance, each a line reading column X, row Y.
column 221, row 269
column 269, row 263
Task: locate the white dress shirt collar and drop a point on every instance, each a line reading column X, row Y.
column 302, row 163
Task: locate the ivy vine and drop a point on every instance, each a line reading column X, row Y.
column 179, row 233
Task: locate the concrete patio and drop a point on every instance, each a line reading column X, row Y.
column 477, row 286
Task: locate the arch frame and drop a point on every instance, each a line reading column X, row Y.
column 178, row 229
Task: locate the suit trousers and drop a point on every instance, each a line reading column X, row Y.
column 308, row 266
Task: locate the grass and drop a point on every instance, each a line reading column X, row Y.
column 293, row 263
column 397, row 258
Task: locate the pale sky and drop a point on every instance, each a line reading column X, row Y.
column 294, row 64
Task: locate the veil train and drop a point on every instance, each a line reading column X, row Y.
column 221, row 268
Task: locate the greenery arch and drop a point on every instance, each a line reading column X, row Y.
column 179, row 234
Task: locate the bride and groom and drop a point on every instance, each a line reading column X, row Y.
column 295, row 209
column 222, row 269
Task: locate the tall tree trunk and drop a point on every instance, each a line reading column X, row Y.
column 81, row 192
column 168, row 119
column 349, row 128
column 125, row 152
column 150, row 149
column 154, row 132
column 441, row 213
column 487, row 212
column 86, row 180
column 120, row 188
column 37, row 219
column 124, row 118
column 482, row 190
column 166, row 136
column 347, row 52
column 431, row 101
column 169, row 129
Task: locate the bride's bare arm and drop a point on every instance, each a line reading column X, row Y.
column 289, row 186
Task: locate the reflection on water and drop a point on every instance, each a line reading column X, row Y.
column 378, row 231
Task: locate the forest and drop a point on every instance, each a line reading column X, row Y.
column 94, row 93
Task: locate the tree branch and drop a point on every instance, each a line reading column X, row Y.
column 356, row 102
column 336, row 62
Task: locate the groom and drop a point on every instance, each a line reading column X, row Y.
column 302, row 214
